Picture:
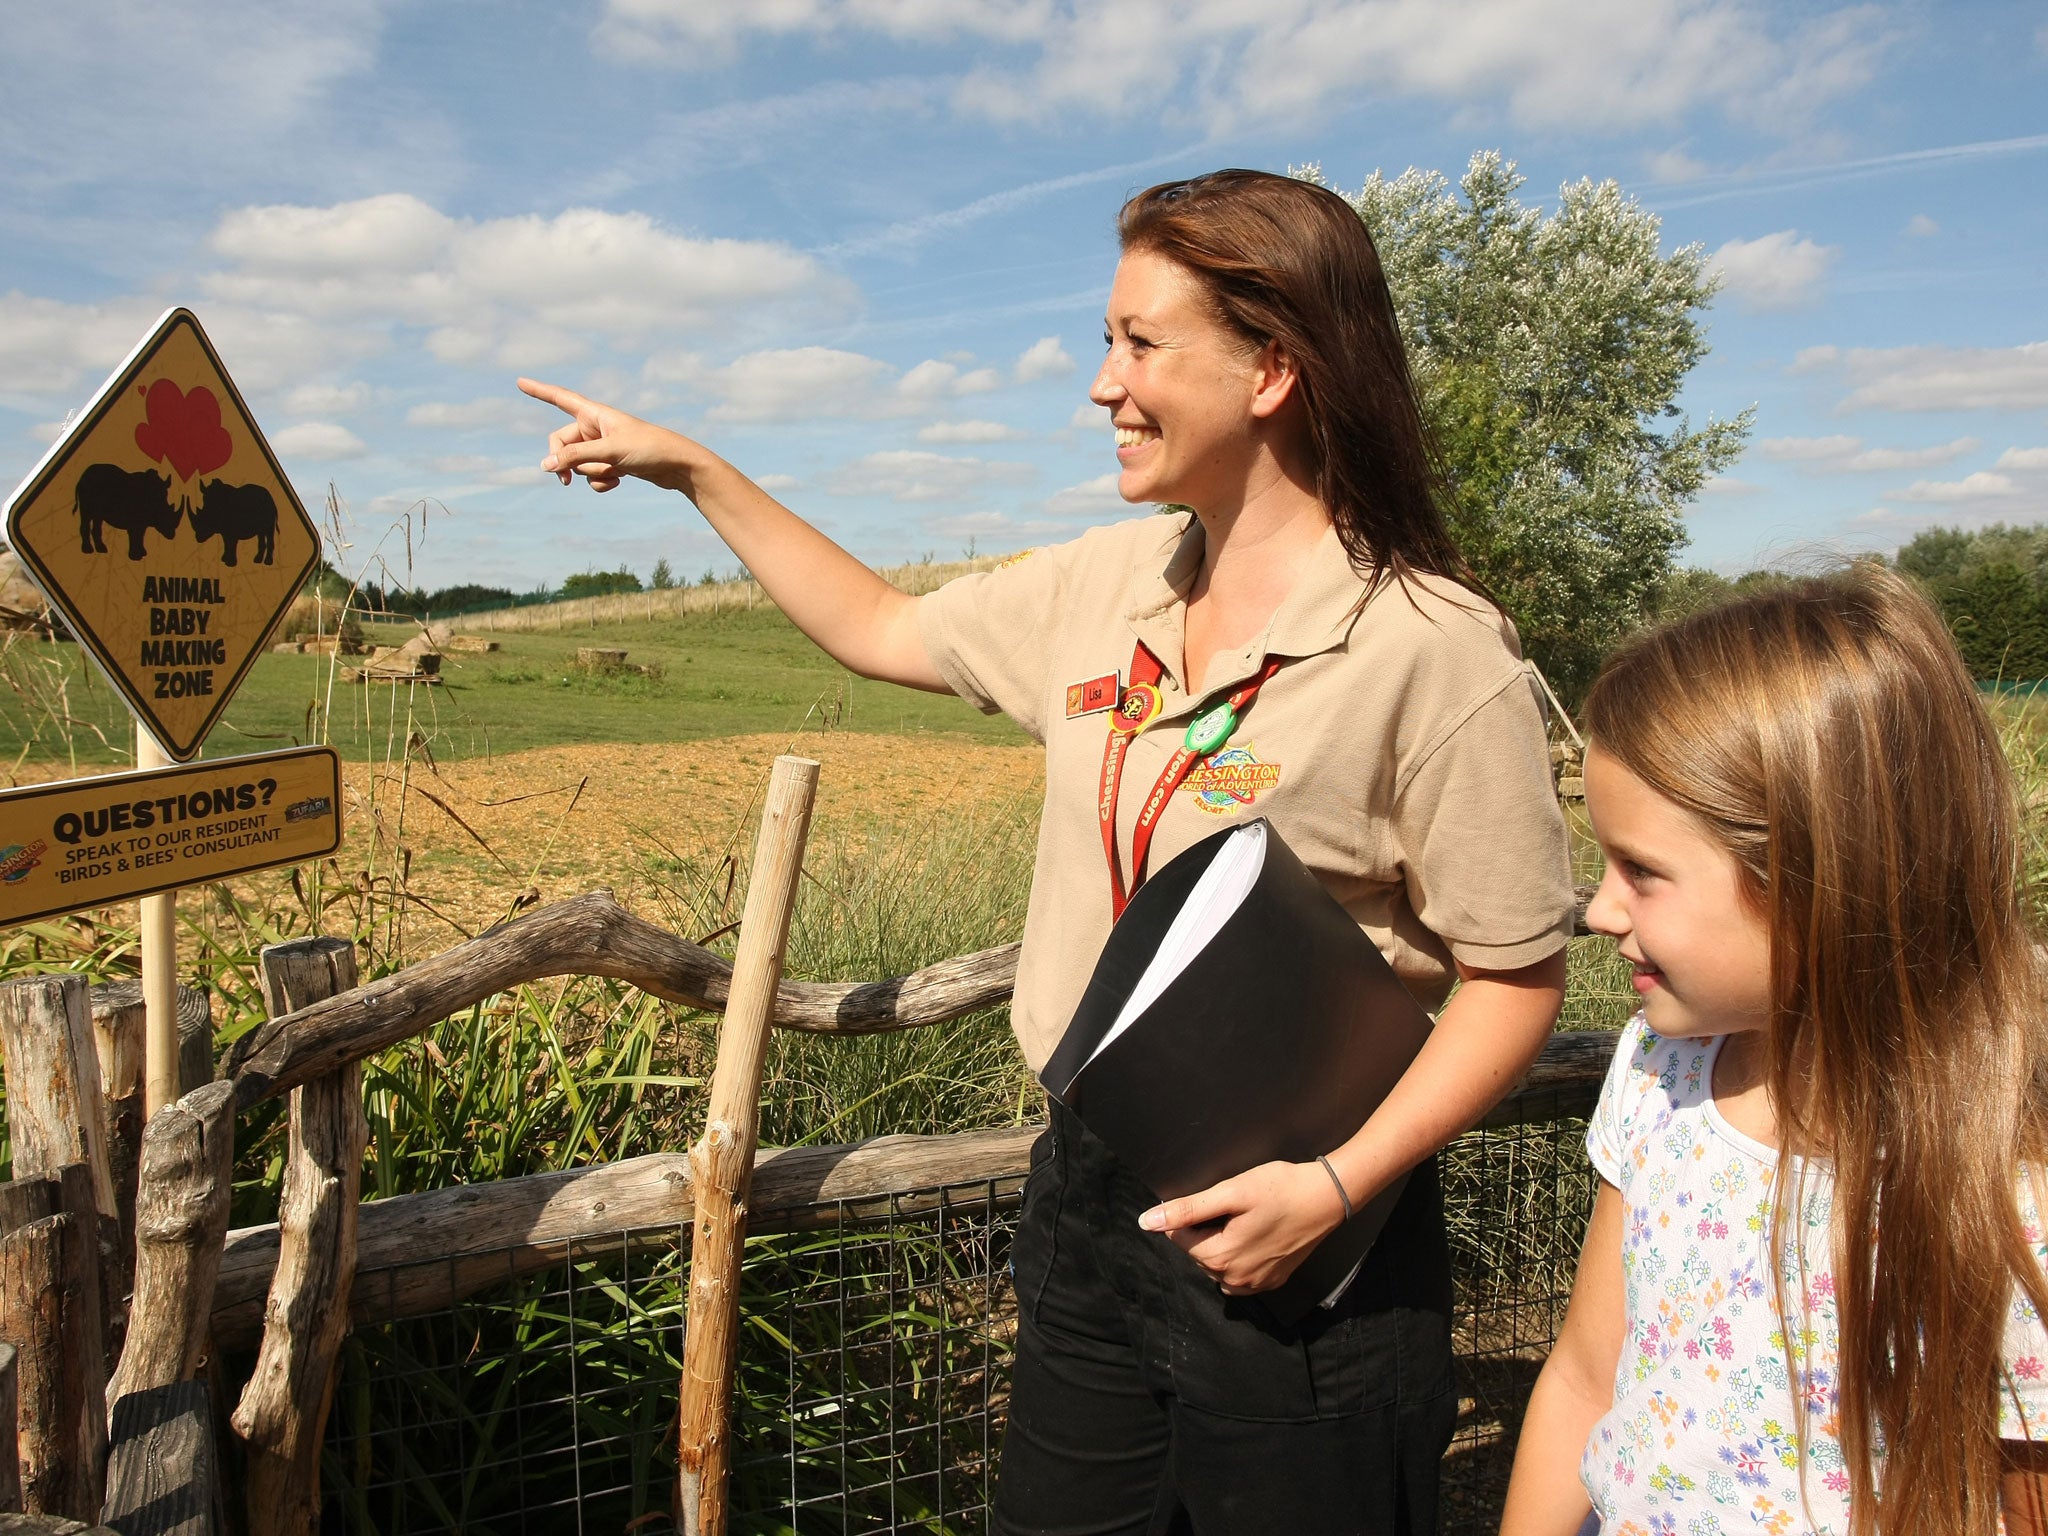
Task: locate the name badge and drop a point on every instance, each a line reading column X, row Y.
column 1092, row 697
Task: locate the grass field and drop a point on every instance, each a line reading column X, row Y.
column 738, row 672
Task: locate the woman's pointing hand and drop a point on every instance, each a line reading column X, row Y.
column 604, row 445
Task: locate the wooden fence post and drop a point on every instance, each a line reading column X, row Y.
column 50, row 1312
column 181, row 1223
column 722, row 1162
column 283, row 1413
column 117, row 1027
column 54, row 1111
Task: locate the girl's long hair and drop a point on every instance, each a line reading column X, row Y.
column 1286, row 261
column 1829, row 737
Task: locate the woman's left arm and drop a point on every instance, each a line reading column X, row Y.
column 1272, row 1216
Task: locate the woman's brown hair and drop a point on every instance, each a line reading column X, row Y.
column 1290, row 262
column 1829, row 737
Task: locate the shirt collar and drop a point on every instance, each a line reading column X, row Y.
column 1316, row 616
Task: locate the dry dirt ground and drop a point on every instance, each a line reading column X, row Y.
column 471, row 840
column 556, row 821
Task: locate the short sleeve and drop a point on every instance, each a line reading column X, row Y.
column 988, row 635
column 1607, row 1133
column 1482, row 837
column 2023, row 1394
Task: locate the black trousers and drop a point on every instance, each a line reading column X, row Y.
column 1147, row 1403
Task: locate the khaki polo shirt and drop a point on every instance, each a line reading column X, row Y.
column 1400, row 750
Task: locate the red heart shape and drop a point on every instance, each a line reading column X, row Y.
column 184, row 428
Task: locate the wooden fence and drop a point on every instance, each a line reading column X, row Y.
column 119, row 1278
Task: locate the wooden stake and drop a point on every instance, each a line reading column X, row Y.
column 118, row 1028
column 181, row 1224
column 54, row 1107
column 283, row 1413
column 49, row 1312
column 159, row 969
column 721, row 1164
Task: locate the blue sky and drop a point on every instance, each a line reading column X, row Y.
column 861, row 246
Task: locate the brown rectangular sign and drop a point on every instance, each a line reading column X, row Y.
column 89, row 842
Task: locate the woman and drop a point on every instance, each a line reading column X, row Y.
column 1382, row 721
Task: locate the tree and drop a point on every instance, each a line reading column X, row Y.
column 663, row 578
column 1549, row 350
column 600, row 583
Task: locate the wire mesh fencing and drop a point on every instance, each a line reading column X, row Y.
column 873, row 1370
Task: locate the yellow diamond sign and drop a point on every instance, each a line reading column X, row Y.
column 162, row 528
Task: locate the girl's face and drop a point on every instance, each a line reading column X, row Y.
column 1181, row 389
column 1673, row 900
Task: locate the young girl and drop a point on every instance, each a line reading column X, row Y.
column 1811, row 1291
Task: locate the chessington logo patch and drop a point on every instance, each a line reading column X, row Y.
column 1230, row 781
column 16, row 861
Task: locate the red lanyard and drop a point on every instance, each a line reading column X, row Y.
column 1137, row 707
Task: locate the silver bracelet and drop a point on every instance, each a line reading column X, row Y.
column 1341, row 1195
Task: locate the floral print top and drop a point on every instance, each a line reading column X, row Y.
column 1702, row 1435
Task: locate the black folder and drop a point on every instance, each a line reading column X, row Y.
column 1277, row 1041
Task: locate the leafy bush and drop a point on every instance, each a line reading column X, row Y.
column 600, row 583
column 1992, row 585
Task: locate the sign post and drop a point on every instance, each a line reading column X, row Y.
column 159, row 939
column 163, row 529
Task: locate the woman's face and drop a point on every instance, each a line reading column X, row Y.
column 1180, row 388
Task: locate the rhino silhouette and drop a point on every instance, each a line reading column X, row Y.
column 235, row 513
column 133, row 500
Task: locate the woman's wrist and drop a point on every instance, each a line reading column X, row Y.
column 686, row 465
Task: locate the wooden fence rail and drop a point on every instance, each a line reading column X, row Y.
column 591, row 935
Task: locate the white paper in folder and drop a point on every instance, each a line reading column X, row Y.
column 1219, row 892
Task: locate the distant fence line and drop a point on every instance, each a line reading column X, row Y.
column 656, row 603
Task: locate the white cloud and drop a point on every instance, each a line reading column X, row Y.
column 1982, row 486
column 519, row 474
column 1090, row 415
column 816, row 383
column 463, row 464
column 908, row 474
column 1774, row 272
column 327, row 399
column 1891, row 460
column 319, row 441
column 1045, row 358
column 47, row 432
column 525, row 291
column 1728, row 485
column 796, row 384
column 777, row 482
column 1920, row 226
column 1091, row 498
column 508, row 413
column 968, row 432
column 1935, row 378
column 48, row 347
column 1805, row 450
column 2026, row 459
column 972, row 525
column 1674, row 165
column 1566, row 63
column 1842, row 453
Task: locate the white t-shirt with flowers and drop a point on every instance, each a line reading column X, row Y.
column 1702, row 1435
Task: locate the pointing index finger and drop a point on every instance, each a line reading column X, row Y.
column 562, row 399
